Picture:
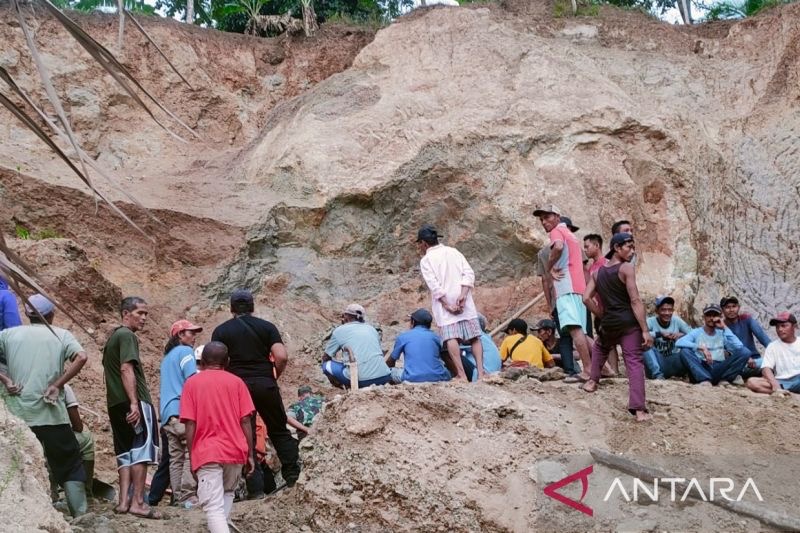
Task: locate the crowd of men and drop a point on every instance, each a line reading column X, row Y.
column 221, row 413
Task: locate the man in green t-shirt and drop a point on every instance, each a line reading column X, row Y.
column 35, row 357
column 130, row 409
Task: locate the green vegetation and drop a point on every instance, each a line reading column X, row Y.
column 22, row 232
column 736, row 10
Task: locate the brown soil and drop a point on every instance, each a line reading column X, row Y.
column 318, row 159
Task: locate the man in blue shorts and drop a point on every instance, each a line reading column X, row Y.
column 566, row 268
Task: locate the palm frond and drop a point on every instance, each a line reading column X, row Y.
column 147, row 36
column 34, row 127
column 18, row 272
column 44, row 74
column 110, row 63
column 6, row 77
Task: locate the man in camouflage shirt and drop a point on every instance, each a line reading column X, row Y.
column 302, row 413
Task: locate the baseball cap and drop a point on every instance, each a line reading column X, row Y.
column 662, row 299
column 427, row 231
column 241, row 296
column 39, row 303
column 517, row 324
column 618, row 238
column 545, row 324
column 546, row 209
column 183, row 325
column 304, row 389
column 422, row 317
column 355, row 310
column 783, row 316
column 568, row 221
column 728, row 300
column 712, row 308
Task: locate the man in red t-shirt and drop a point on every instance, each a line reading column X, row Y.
column 216, row 408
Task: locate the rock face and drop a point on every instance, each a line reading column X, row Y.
column 468, row 118
column 24, row 488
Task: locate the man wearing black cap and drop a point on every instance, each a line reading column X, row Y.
column 565, row 267
column 712, row 353
column 258, row 356
column 747, row 329
column 35, row 357
column 781, row 365
column 663, row 360
column 623, row 321
column 420, row 348
column 451, row 281
column 523, row 349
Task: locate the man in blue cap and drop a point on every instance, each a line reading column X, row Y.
column 420, row 347
column 712, row 353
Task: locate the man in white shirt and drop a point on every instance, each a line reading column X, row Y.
column 781, row 362
column 451, row 281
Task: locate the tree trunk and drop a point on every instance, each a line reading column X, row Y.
column 310, row 25
column 190, row 11
column 685, row 8
column 121, row 34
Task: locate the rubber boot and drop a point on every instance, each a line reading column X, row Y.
column 75, row 492
column 88, row 466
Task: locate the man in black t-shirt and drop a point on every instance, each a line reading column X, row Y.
column 258, row 357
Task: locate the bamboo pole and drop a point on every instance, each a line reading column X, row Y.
column 519, row 312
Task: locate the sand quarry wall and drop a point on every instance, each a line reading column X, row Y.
column 319, row 158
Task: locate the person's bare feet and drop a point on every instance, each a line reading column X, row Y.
column 584, row 377
column 643, row 416
column 590, row 386
column 144, row 511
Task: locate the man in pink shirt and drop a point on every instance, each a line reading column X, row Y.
column 569, row 282
column 216, row 408
column 451, row 280
column 593, row 248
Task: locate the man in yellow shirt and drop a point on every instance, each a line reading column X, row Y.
column 523, row 349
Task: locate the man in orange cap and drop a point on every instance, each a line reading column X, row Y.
column 177, row 366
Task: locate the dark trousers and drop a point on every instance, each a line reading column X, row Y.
column 269, row 405
column 61, row 451
column 717, row 371
column 565, row 348
column 631, row 343
column 160, row 482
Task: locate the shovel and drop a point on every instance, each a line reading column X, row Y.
column 352, row 365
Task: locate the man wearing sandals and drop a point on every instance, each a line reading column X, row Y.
column 130, row 409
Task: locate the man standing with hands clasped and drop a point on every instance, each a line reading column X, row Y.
column 451, row 280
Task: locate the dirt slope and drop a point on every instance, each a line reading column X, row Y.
column 319, row 158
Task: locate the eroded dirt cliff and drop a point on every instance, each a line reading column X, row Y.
column 319, row 158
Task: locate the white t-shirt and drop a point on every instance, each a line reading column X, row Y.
column 783, row 359
column 69, row 397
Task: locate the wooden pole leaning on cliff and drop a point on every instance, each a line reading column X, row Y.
column 353, row 366
column 519, row 312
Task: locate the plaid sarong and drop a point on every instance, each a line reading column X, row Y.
column 463, row 330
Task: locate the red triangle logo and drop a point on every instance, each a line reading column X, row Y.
column 551, row 490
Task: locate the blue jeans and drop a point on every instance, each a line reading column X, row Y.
column 160, row 481
column 792, row 384
column 657, row 366
column 717, row 371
